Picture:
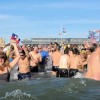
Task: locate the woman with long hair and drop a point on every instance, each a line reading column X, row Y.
column 5, row 65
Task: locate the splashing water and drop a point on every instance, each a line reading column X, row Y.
column 17, row 95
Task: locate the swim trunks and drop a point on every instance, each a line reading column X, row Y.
column 62, row 72
column 34, row 68
column 24, row 76
column 55, row 68
column 72, row 72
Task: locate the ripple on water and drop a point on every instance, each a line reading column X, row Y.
column 51, row 89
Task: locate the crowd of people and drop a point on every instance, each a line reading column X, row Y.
column 66, row 60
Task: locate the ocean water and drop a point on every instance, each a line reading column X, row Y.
column 45, row 87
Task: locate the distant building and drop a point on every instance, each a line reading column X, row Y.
column 34, row 41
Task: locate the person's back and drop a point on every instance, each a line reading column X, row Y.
column 55, row 60
column 75, row 61
column 64, row 61
column 93, row 70
column 63, row 66
column 56, row 57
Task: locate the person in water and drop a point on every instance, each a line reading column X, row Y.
column 35, row 59
column 55, row 60
column 63, row 65
column 93, row 69
column 44, row 54
column 24, row 64
column 75, row 62
column 5, row 65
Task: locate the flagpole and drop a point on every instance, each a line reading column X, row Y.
column 62, row 31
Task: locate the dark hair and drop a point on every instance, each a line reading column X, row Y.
column 55, row 43
column 66, row 51
column 2, row 54
column 75, row 51
column 22, row 51
column 58, row 48
column 94, row 46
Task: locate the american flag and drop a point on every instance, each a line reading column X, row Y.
column 15, row 37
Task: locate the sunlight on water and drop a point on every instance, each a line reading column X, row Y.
column 75, row 87
column 51, row 88
column 17, row 95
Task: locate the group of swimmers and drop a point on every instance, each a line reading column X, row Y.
column 66, row 61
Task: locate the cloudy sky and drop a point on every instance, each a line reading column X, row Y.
column 47, row 18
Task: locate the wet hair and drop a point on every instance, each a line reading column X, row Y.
column 55, row 43
column 83, row 49
column 71, row 49
column 66, row 51
column 57, row 48
column 75, row 51
column 93, row 48
column 22, row 51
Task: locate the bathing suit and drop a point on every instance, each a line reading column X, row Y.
column 72, row 72
column 55, row 68
column 34, row 68
column 66, row 72
column 62, row 72
column 24, row 76
column 5, row 76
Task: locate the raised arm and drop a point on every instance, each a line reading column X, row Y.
column 14, row 62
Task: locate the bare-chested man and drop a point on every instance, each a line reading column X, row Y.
column 75, row 62
column 35, row 59
column 55, row 59
column 93, row 70
column 63, row 65
column 24, row 66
